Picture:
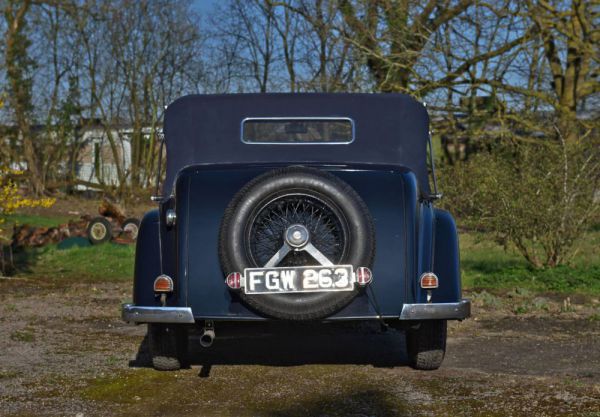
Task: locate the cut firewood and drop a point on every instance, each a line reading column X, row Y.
column 110, row 209
column 30, row 236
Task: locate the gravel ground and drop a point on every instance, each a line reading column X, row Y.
column 65, row 352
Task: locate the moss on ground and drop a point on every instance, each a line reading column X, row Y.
column 297, row 391
column 332, row 390
column 24, row 335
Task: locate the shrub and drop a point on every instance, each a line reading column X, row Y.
column 540, row 196
column 11, row 199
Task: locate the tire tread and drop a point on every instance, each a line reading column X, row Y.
column 426, row 345
column 168, row 347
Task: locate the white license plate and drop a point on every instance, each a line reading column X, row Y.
column 298, row 279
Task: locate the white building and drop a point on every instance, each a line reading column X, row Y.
column 97, row 163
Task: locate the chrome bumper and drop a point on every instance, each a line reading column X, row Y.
column 439, row 311
column 137, row 314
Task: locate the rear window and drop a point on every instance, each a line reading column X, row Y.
column 298, row 130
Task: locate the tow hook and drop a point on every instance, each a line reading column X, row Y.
column 208, row 334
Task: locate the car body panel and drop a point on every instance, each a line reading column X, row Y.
column 200, row 219
column 390, row 129
column 412, row 236
column 447, row 258
column 203, row 193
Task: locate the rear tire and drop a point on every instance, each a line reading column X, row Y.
column 168, row 346
column 426, row 344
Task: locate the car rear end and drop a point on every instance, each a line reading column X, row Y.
column 292, row 238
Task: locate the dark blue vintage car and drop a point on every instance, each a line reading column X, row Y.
column 296, row 207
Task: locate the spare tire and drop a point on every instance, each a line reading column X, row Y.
column 337, row 219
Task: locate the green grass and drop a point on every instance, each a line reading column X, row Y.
column 36, row 221
column 106, row 262
column 485, row 265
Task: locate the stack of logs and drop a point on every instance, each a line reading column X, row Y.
column 26, row 236
column 29, row 236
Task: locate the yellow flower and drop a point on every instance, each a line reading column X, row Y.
column 11, row 199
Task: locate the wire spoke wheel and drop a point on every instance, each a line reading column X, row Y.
column 325, row 224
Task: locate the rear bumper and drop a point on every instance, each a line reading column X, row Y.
column 437, row 311
column 138, row 314
column 183, row 315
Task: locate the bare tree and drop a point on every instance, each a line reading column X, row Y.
column 570, row 37
column 19, row 68
column 395, row 38
column 391, row 34
column 133, row 58
column 56, row 97
column 119, row 63
column 550, row 73
column 288, row 28
column 246, row 29
column 328, row 60
column 152, row 42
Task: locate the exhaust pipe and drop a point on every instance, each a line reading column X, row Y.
column 208, row 335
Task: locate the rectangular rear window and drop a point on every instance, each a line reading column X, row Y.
column 298, row 130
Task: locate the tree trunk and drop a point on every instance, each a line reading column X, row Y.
column 17, row 65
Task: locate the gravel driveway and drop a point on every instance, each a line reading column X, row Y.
column 65, row 352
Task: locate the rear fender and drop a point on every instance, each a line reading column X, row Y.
column 446, row 258
column 148, row 259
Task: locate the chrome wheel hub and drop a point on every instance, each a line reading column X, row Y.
column 297, row 236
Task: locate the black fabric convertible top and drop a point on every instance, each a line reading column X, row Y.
column 390, row 129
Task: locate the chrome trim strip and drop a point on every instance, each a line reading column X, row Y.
column 138, row 314
column 430, row 311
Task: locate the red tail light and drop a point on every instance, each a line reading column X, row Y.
column 234, row 280
column 429, row 281
column 163, row 283
column 363, row 275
